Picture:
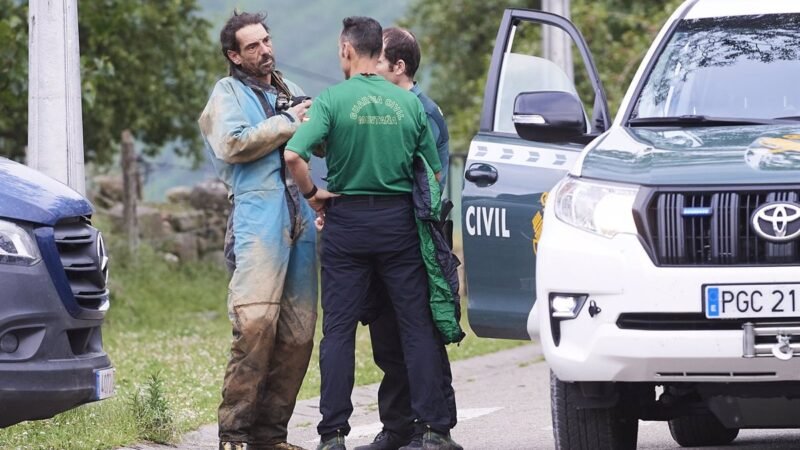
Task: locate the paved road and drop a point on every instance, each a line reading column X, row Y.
column 503, row 403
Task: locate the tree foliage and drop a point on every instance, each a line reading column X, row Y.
column 457, row 38
column 145, row 66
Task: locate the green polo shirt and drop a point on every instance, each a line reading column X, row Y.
column 372, row 131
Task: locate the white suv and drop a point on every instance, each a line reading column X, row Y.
column 665, row 244
column 669, row 259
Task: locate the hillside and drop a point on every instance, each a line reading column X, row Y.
column 305, row 32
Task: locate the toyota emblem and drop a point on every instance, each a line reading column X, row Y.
column 777, row 221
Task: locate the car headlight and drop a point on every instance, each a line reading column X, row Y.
column 601, row 208
column 16, row 245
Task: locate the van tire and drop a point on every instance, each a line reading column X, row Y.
column 588, row 429
column 701, row 431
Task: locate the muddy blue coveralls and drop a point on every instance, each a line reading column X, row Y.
column 272, row 297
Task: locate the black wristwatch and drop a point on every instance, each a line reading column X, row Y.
column 310, row 193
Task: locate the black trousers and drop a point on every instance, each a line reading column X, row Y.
column 362, row 240
column 394, row 398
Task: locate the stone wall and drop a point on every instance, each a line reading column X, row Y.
column 189, row 226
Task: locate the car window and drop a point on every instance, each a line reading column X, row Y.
column 739, row 67
column 525, row 73
column 531, row 64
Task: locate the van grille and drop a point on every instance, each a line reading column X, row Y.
column 695, row 228
column 83, row 255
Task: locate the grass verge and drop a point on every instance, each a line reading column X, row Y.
column 168, row 335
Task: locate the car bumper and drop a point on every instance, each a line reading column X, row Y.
column 42, row 390
column 50, row 364
column 620, row 278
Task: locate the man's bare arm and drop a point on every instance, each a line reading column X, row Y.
column 299, row 169
column 302, row 177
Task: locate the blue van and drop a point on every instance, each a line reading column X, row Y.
column 53, row 298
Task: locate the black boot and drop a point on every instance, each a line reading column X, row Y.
column 431, row 440
column 385, row 440
column 334, row 442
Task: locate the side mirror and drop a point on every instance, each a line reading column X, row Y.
column 549, row 116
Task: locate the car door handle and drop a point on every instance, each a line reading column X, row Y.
column 481, row 174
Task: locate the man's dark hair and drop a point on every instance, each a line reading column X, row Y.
column 227, row 37
column 364, row 34
column 401, row 44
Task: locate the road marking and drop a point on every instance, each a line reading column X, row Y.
column 370, row 430
column 473, row 413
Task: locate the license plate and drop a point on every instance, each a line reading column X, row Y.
column 103, row 383
column 735, row 301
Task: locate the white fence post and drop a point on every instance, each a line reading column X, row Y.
column 55, row 121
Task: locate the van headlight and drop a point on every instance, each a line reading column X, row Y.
column 598, row 207
column 16, row 245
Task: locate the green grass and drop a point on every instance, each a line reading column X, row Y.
column 168, row 326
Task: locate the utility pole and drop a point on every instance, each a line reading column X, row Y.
column 55, row 117
column 556, row 43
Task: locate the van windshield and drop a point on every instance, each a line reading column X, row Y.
column 727, row 67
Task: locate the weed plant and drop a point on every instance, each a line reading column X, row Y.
column 154, row 417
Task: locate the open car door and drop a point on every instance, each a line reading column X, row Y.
column 534, row 124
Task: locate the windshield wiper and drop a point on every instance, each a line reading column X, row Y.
column 792, row 118
column 701, row 121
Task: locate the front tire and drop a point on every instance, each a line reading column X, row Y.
column 701, row 431
column 588, row 429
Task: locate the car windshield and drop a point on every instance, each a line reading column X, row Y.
column 727, row 67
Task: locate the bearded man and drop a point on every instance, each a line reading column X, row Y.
column 272, row 296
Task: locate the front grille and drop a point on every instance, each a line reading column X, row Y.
column 83, row 256
column 713, row 228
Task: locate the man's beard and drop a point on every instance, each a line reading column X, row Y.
column 264, row 67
